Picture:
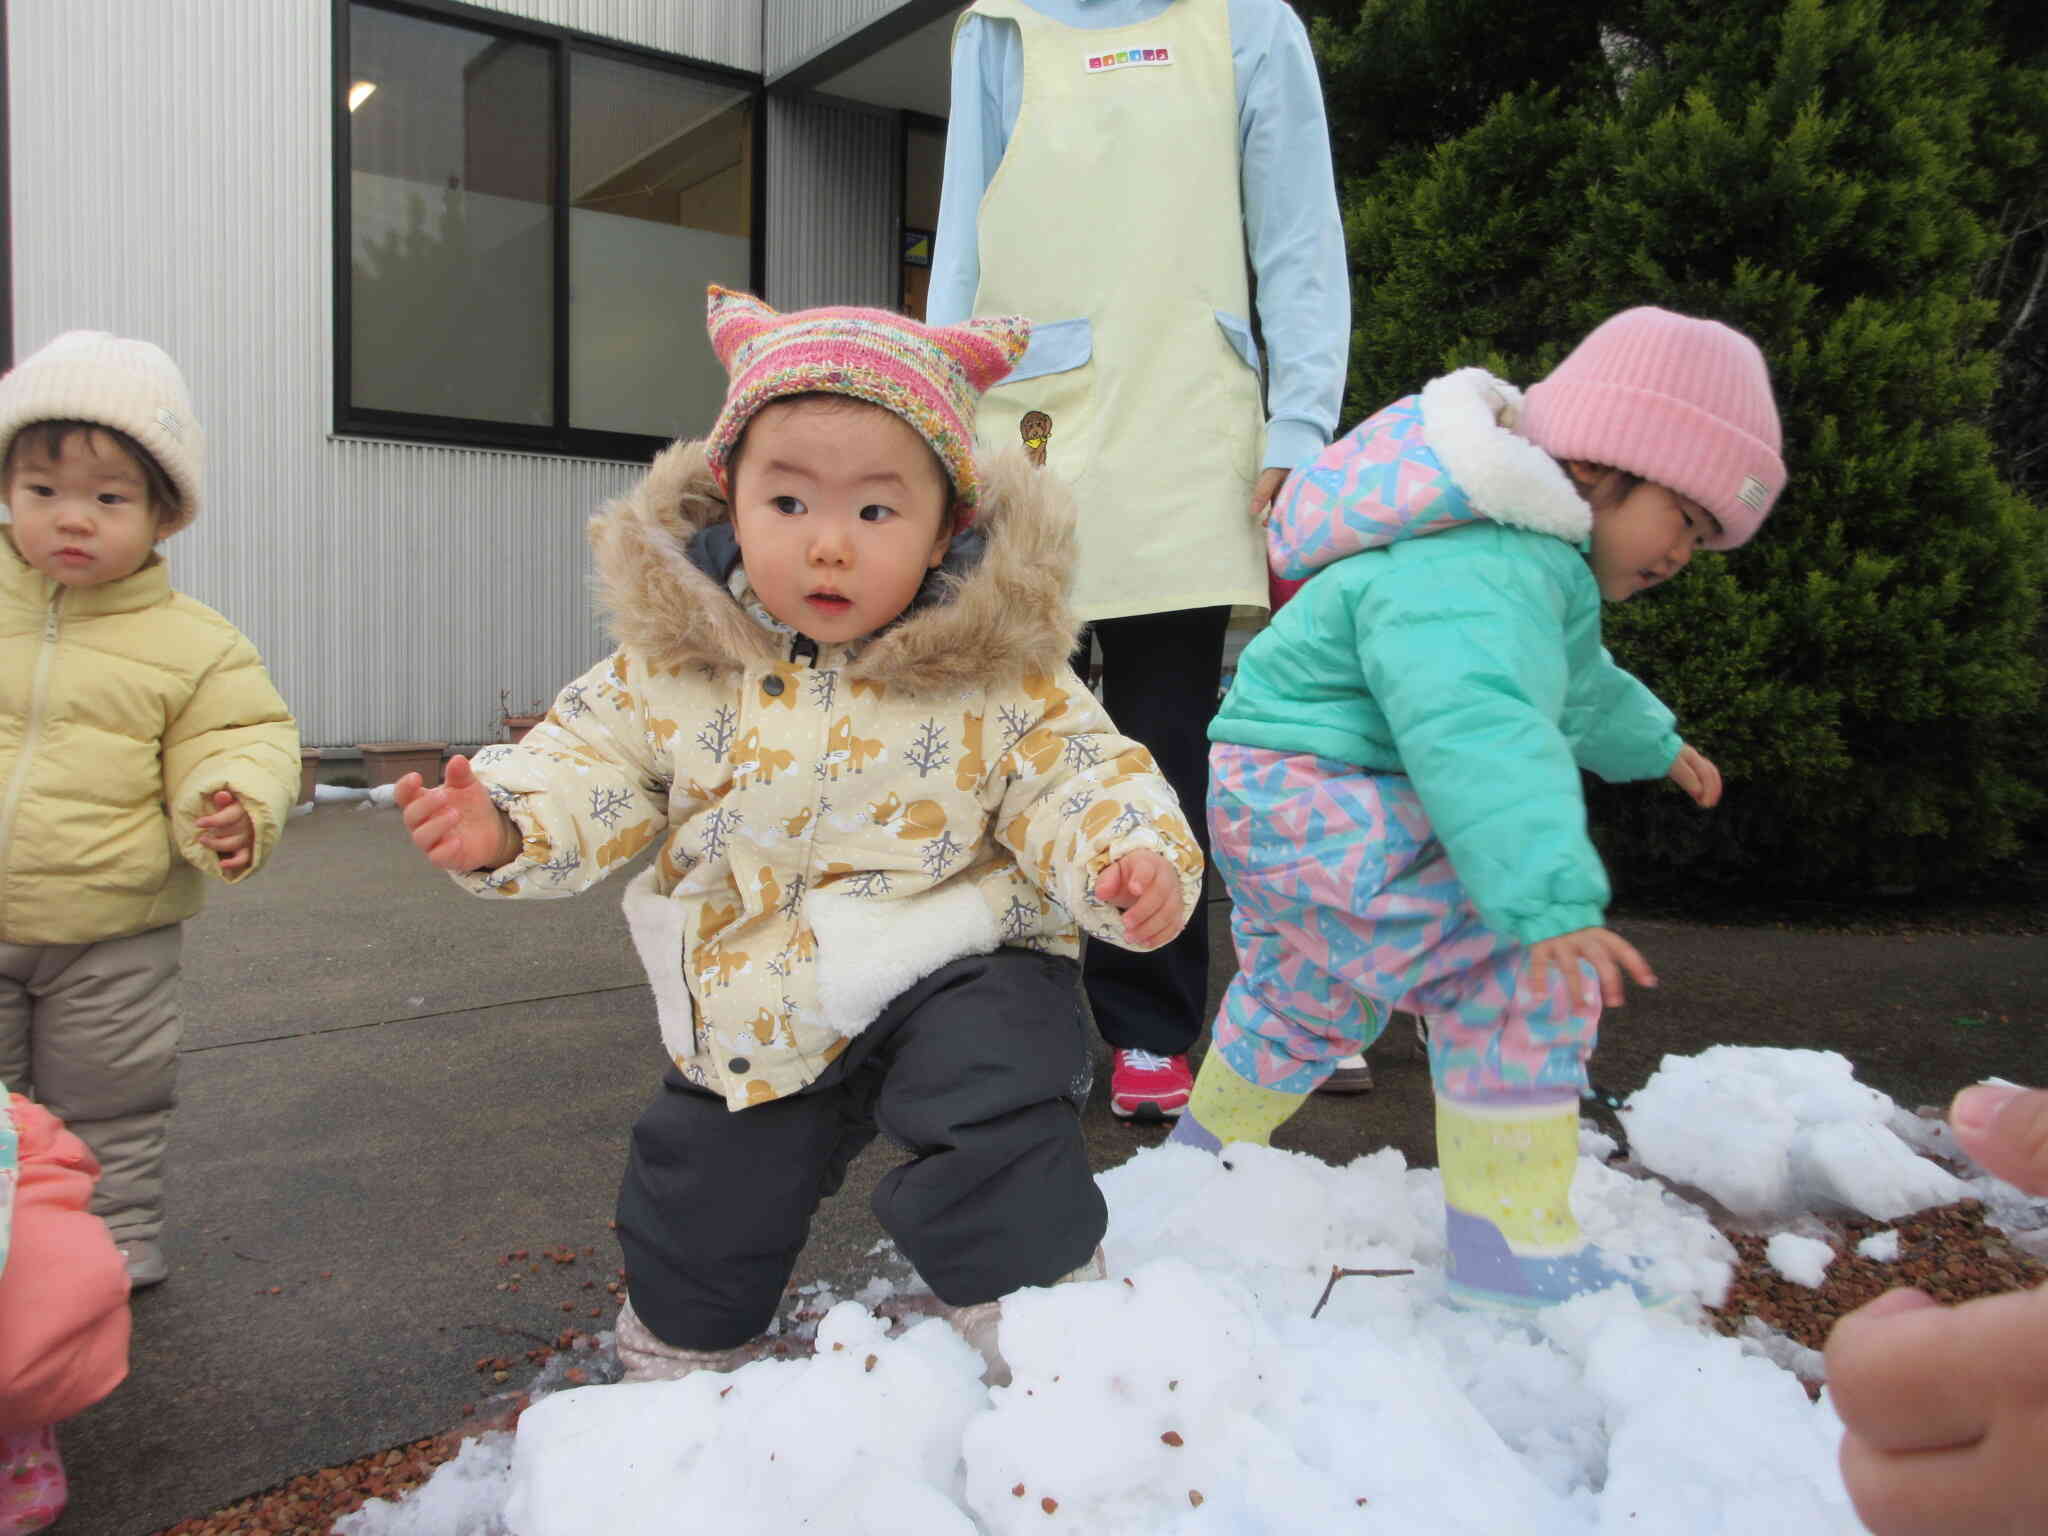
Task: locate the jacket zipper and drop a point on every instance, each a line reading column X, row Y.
column 32, row 730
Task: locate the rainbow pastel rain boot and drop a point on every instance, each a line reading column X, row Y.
column 1226, row 1108
column 1512, row 1240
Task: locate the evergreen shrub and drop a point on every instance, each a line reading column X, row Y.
column 1845, row 181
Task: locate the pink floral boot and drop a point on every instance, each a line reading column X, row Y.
column 32, row 1487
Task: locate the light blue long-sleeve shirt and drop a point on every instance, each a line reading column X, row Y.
column 1293, row 231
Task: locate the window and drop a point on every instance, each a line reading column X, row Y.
column 924, row 172
column 530, row 220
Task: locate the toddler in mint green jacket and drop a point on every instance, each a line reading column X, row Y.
column 1395, row 802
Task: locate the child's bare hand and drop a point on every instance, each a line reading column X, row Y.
column 229, row 832
column 1145, row 887
column 1693, row 772
column 456, row 826
column 1602, row 948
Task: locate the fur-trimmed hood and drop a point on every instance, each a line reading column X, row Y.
column 1435, row 460
column 1005, row 616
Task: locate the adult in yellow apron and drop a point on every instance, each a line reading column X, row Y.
column 1115, row 222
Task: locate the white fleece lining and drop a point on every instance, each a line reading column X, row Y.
column 656, row 923
column 870, row 952
column 1503, row 475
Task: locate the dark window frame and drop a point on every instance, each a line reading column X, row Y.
column 353, row 420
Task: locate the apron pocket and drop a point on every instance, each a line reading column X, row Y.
column 1241, row 425
column 1055, row 347
column 1239, row 334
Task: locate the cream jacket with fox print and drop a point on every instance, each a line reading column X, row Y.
column 833, row 823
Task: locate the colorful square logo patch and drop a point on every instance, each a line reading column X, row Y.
column 1126, row 58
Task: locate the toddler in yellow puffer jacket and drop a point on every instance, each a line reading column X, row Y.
column 141, row 746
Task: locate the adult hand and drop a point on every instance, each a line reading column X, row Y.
column 1693, row 772
column 1946, row 1408
column 229, row 832
column 1602, row 948
column 1146, row 888
column 456, row 826
column 1264, row 489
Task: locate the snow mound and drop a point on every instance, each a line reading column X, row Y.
column 1194, row 1392
column 861, row 1440
column 1772, row 1133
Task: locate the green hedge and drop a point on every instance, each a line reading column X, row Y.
column 1847, row 183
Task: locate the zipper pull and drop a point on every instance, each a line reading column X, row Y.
column 803, row 648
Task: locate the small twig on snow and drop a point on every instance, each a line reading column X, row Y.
column 1337, row 1274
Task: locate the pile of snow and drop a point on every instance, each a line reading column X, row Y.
column 378, row 797
column 1192, row 1391
column 1772, row 1133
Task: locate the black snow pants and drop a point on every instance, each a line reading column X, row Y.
column 978, row 1072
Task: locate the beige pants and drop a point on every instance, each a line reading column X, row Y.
column 90, row 1031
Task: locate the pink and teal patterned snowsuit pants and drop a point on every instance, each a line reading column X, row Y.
column 1344, row 907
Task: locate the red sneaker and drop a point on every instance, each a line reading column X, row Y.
column 1143, row 1086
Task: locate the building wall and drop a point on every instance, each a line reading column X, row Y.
column 793, row 30
column 834, row 195
column 173, row 180
column 715, row 31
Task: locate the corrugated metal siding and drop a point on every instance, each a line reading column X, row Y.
column 716, row 31
column 834, row 190
column 793, row 30
column 487, row 583
column 171, row 179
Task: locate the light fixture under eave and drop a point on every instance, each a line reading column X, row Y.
column 360, row 93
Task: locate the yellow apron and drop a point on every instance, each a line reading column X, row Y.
column 1114, row 223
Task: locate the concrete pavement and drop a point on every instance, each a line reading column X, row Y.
column 388, row 1086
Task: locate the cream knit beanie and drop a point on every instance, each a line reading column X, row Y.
column 129, row 385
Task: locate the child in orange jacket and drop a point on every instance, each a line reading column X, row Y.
column 63, row 1307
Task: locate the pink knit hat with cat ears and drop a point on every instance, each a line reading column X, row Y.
column 1682, row 402
column 931, row 376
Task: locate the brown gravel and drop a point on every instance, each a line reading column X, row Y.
column 1947, row 1251
column 310, row 1504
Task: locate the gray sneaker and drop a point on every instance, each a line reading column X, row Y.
column 145, row 1261
column 1351, row 1075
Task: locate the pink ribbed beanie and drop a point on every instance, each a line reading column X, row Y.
column 1683, row 402
column 932, row 376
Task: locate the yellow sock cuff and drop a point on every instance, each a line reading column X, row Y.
column 1514, row 1168
column 1231, row 1109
